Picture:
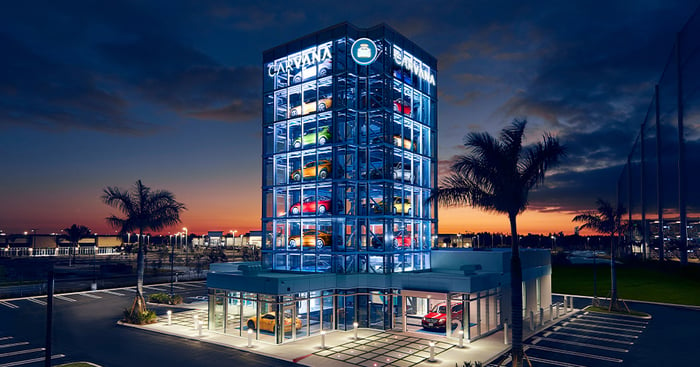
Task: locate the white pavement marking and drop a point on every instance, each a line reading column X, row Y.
column 18, row 352
column 8, row 304
column 176, row 287
column 602, row 332
column 583, row 323
column 13, row 344
column 113, row 293
column 154, row 288
column 617, row 320
column 89, row 295
column 64, row 298
column 37, row 301
column 586, row 345
column 537, row 340
column 555, row 363
column 578, row 354
column 28, row 361
column 596, row 338
column 6, row 337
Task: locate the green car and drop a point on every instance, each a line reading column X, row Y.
column 321, row 135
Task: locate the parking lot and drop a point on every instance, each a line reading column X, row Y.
column 586, row 339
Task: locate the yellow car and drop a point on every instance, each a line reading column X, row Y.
column 398, row 206
column 311, row 106
column 267, row 323
column 320, row 169
column 310, row 239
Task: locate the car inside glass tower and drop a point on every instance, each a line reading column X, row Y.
column 349, row 157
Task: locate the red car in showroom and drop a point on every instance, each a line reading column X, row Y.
column 437, row 317
column 321, row 205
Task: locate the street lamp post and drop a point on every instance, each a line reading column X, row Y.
column 172, row 259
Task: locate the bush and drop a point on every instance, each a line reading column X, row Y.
column 139, row 318
column 165, row 298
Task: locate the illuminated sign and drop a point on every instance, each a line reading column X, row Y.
column 415, row 66
column 305, row 59
column 364, row 51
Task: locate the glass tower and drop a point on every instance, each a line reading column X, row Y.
column 349, row 153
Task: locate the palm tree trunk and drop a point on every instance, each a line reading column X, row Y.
column 139, row 303
column 516, row 280
column 613, row 273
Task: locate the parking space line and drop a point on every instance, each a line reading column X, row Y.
column 154, row 288
column 612, row 349
column 602, row 332
column 584, row 323
column 89, row 295
column 64, row 298
column 37, row 301
column 6, row 337
column 555, row 363
column 616, row 320
column 113, row 293
column 596, row 338
column 177, row 287
column 8, row 304
column 28, row 361
column 578, row 354
column 18, row 352
column 13, row 344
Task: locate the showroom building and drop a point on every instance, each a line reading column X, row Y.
column 349, row 162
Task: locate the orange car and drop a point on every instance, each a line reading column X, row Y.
column 268, row 320
column 320, row 169
column 310, row 239
column 404, row 142
column 311, row 106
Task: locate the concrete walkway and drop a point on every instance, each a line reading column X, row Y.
column 372, row 348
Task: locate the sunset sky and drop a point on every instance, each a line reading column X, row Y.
column 96, row 94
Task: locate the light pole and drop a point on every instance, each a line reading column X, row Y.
column 172, row 259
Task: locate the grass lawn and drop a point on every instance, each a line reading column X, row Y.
column 651, row 281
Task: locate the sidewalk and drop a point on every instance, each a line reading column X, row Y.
column 372, row 348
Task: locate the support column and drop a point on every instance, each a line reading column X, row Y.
column 403, row 313
column 467, row 317
column 448, row 316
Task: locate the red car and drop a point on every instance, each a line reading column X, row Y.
column 312, row 205
column 437, row 317
column 402, row 239
column 402, row 106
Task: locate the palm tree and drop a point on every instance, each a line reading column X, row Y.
column 143, row 209
column 75, row 233
column 607, row 220
column 497, row 176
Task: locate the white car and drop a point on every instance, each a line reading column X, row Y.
column 312, row 71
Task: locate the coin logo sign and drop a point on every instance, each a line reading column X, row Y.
column 364, row 51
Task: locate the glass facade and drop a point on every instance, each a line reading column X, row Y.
column 349, row 154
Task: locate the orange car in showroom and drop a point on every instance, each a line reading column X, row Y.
column 268, row 320
column 310, row 240
column 320, row 169
column 437, row 317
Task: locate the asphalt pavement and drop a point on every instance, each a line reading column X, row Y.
column 85, row 329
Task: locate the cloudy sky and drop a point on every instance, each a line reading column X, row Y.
column 96, row 94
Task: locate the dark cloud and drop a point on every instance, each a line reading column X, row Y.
column 186, row 80
column 45, row 94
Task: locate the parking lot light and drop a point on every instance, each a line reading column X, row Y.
column 355, row 325
column 461, row 338
column 250, row 338
column 323, row 339
column 195, row 320
column 199, row 327
column 170, row 317
column 432, row 352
